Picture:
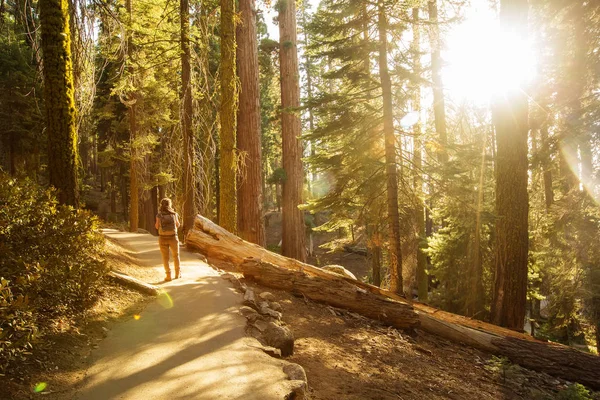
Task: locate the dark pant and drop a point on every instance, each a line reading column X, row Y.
column 166, row 243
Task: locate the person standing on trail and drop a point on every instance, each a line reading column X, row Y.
column 167, row 222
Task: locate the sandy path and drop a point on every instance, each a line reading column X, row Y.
column 188, row 344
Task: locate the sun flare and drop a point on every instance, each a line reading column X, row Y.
column 481, row 59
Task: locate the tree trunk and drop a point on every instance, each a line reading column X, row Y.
column 332, row 290
column 376, row 260
column 293, row 238
column 228, row 159
column 439, row 104
column 189, row 184
column 250, row 196
column 391, row 172
column 546, row 165
column 59, row 100
column 555, row 359
column 475, row 292
column 134, row 189
column 309, row 97
column 421, row 273
column 206, row 118
column 510, row 116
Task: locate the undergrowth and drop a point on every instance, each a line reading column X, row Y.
column 50, row 267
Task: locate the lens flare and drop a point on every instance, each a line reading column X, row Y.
column 40, row 387
column 165, row 300
column 136, row 317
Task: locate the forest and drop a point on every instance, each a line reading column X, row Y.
column 455, row 143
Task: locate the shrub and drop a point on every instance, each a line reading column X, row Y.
column 50, row 265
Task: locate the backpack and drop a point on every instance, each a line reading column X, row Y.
column 167, row 224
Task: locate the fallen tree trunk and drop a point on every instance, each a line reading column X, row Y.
column 554, row 359
column 133, row 283
column 334, row 291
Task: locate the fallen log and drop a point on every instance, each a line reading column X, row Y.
column 554, row 359
column 334, row 291
column 134, row 283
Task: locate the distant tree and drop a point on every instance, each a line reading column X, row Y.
column 439, row 102
column 59, row 101
column 391, row 171
column 189, row 154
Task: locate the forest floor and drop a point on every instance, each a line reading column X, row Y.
column 346, row 356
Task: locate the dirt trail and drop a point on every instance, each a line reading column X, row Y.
column 188, row 344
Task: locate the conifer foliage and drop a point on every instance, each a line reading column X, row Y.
column 353, row 125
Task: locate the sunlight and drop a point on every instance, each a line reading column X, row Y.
column 482, row 60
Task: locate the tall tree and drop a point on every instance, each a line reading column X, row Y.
column 510, row 115
column 134, row 187
column 293, row 222
column 250, row 196
column 421, row 274
column 229, row 93
column 391, row 170
column 439, row 103
column 59, row 100
column 189, row 206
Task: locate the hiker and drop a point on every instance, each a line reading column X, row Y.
column 167, row 222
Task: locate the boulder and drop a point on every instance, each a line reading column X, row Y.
column 338, row 269
column 280, row 337
column 267, row 296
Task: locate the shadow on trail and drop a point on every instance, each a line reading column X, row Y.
column 188, row 344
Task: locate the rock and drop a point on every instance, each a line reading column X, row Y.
column 260, row 324
column 203, row 258
column 295, row 372
column 248, row 311
column 280, row 337
column 298, row 391
column 229, row 277
column 264, row 310
column 271, row 351
column 276, row 306
column 338, row 269
column 253, row 317
column 249, row 299
column 267, row 296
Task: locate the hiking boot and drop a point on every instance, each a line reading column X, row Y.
column 168, row 278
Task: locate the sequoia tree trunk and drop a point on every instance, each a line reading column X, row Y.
column 59, row 100
column 510, row 116
column 293, row 240
column 228, row 159
column 250, row 197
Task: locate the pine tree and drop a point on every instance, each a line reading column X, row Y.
column 395, row 248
